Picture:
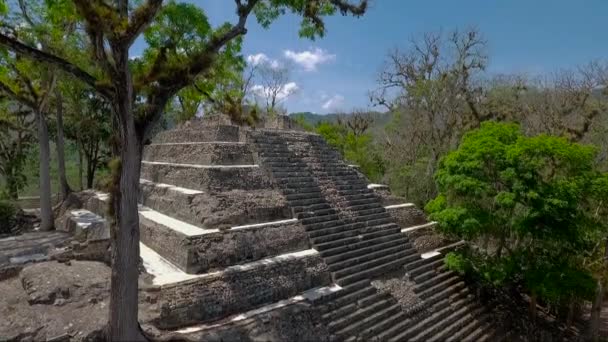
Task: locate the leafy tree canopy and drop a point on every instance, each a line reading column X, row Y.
column 535, row 202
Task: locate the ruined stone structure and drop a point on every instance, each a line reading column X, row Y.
column 267, row 233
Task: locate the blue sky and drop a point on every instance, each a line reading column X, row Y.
column 529, row 36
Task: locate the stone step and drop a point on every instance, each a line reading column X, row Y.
column 348, row 295
column 459, row 323
column 311, row 208
column 370, row 263
column 349, row 231
column 354, row 239
column 372, row 333
column 450, row 292
column 335, row 227
column 297, row 182
column 402, row 243
column 334, row 267
column 292, row 191
column 223, row 133
column 196, row 250
column 203, row 209
column 425, row 276
column 391, row 265
column 483, row 333
column 339, row 312
column 423, row 289
column 319, row 219
column 458, row 310
column 305, row 195
column 207, row 177
column 362, row 201
column 205, row 153
column 190, row 299
column 358, row 326
column 424, row 265
column 478, row 318
column 359, row 314
column 371, row 211
column 422, row 327
column 361, row 244
column 359, row 194
column 350, row 223
column 314, row 213
column 372, row 298
column 307, row 202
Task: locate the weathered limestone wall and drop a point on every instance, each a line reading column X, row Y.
column 296, row 322
column 236, row 290
column 236, row 246
column 203, row 153
column 218, row 179
column 216, row 250
column 407, row 216
column 218, row 210
column 198, row 133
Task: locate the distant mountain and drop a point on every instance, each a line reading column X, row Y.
column 380, row 119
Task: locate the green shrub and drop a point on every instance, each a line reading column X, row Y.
column 8, row 216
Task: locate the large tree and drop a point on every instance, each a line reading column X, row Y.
column 534, row 206
column 139, row 95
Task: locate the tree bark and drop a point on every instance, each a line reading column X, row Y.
column 124, row 325
column 80, row 167
column 46, row 213
column 64, row 187
column 596, row 310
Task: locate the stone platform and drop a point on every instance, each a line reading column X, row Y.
column 241, row 225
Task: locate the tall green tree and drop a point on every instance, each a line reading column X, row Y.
column 140, row 95
column 531, row 204
column 17, row 135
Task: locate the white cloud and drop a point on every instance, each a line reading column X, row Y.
column 333, row 102
column 309, row 59
column 286, row 90
column 260, row 58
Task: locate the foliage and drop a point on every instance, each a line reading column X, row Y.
column 16, row 138
column 8, row 215
column 355, row 148
column 532, row 201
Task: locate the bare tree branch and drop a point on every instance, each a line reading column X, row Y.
column 45, row 57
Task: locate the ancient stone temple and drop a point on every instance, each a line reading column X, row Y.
column 268, row 234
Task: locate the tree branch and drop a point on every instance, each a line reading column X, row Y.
column 141, row 18
column 346, row 7
column 45, row 57
column 9, row 92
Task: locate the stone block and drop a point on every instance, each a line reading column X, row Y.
column 205, row 153
column 199, row 133
column 239, row 288
column 218, row 249
column 86, row 226
column 215, row 210
column 406, row 215
column 205, row 178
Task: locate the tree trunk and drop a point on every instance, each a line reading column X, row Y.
column 64, row 187
column 46, row 213
column 596, row 310
column 124, row 325
column 532, row 308
column 90, row 173
column 80, row 167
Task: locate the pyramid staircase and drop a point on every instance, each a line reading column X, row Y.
column 239, row 223
column 359, row 240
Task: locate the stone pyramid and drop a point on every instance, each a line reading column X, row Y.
column 267, row 234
